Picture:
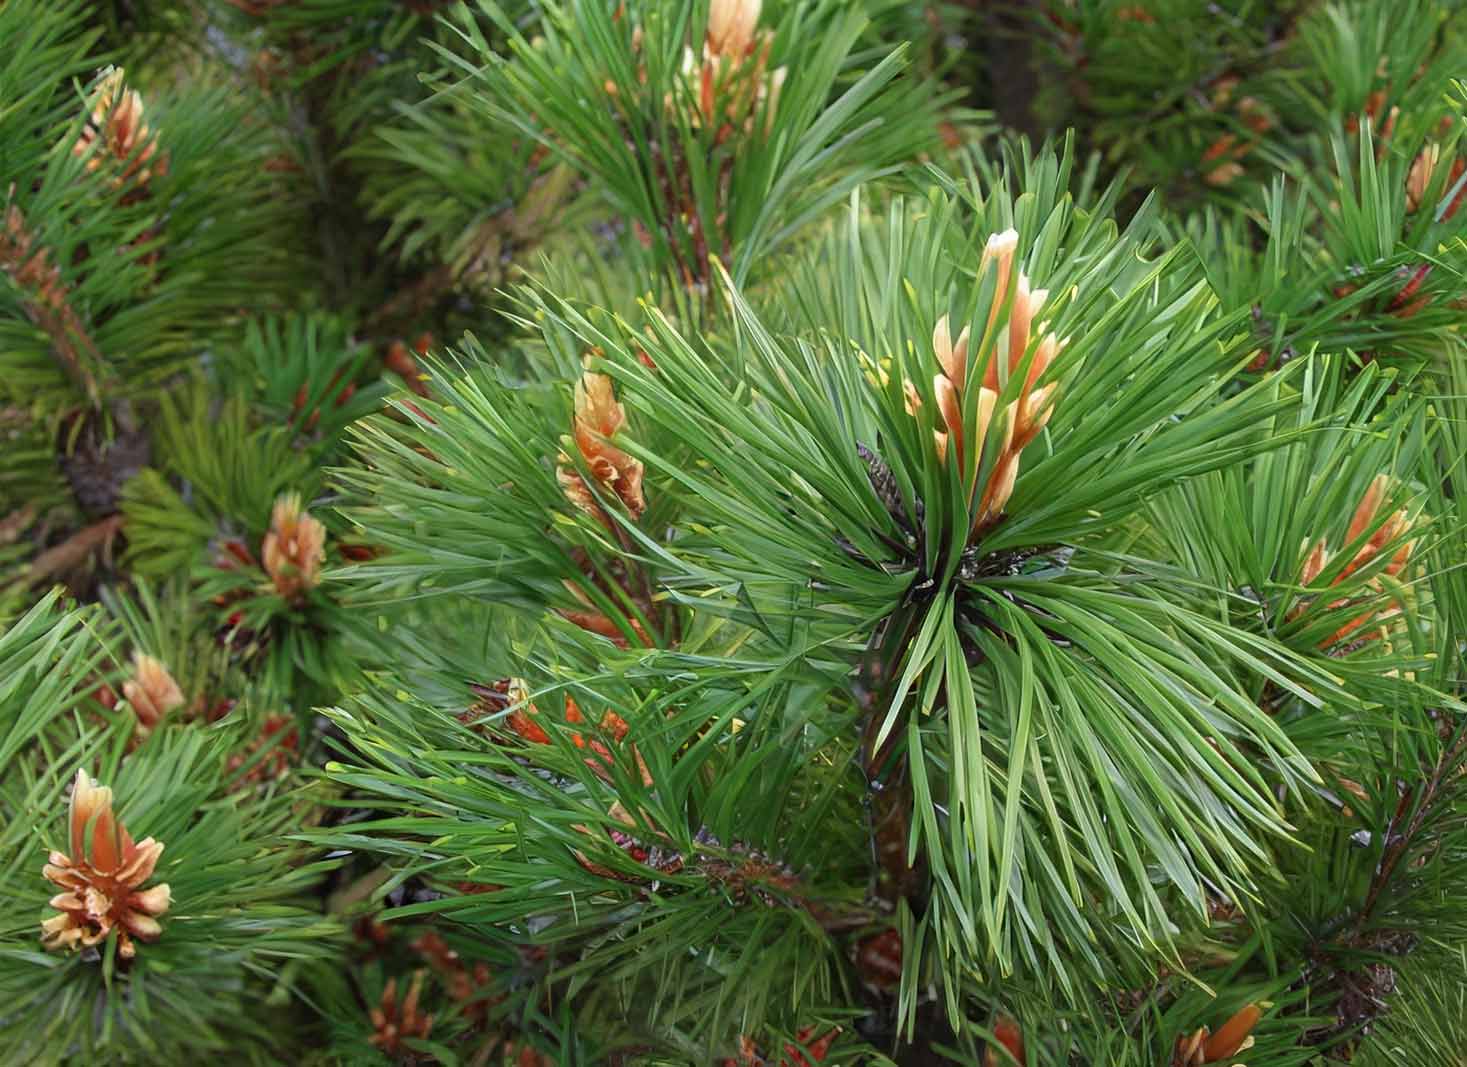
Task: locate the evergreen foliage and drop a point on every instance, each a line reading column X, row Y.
column 659, row 533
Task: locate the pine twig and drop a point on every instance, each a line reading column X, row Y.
column 12, row 525
column 1398, row 844
column 514, row 228
column 886, row 769
column 29, row 267
column 743, row 872
column 73, row 550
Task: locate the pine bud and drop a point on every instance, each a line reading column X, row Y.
column 294, row 548
column 393, row 1022
column 1385, row 533
column 999, row 249
column 948, row 386
column 1025, row 416
column 1000, row 488
column 911, row 398
column 1418, row 180
column 1034, row 415
column 731, row 25
column 1368, row 506
column 522, row 718
column 599, row 416
column 1026, row 305
column 1231, row 1036
column 117, row 119
column 1006, row 1033
column 151, row 692
column 1010, row 351
column 816, row 1047
column 101, row 878
column 1314, row 563
column 1224, row 173
column 950, row 406
column 952, row 356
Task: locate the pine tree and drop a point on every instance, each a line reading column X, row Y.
column 652, row 533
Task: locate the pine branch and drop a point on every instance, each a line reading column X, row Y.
column 12, row 525
column 885, row 766
column 1420, row 801
column 746, row 874
column 28, row 265
column 71, row 552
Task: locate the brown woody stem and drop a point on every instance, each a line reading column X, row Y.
column 73, row 550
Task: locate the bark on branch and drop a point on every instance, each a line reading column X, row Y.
column 61, row 558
